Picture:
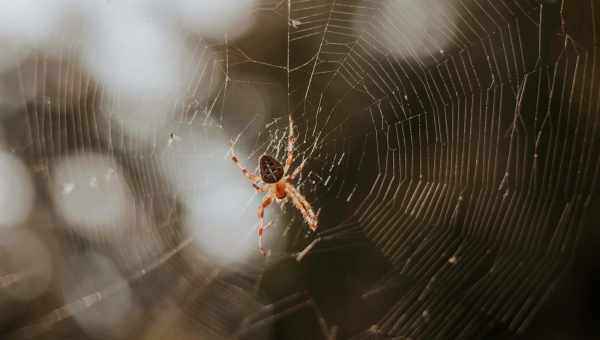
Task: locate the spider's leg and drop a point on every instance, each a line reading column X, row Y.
column 290, row 148
column 303, row 206
column 258, row 188
column 253, row 178
column 298, row 170
column 261, row 228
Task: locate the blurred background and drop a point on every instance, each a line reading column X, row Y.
column 452, row 149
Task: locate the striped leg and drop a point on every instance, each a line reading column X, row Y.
column 290, row 148
column 261, row 228
column 303, row 206
column 253, row 178
column 298, row 170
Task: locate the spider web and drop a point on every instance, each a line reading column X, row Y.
column 451, row 147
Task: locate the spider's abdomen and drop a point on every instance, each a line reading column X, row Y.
column 271, row 170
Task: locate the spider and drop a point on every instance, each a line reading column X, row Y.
column 278, row 186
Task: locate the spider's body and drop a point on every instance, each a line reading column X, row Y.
column 271, row 170
column 277, row 186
